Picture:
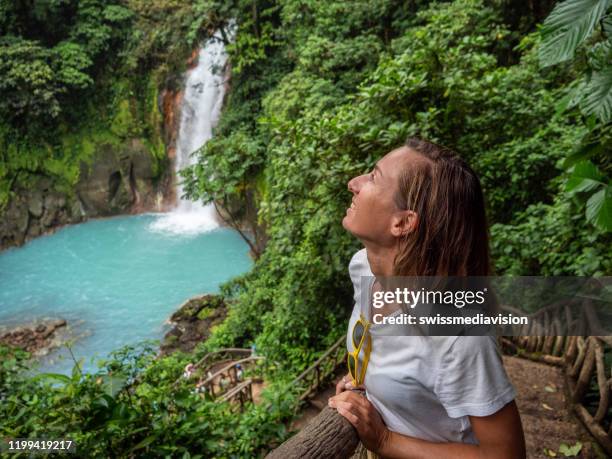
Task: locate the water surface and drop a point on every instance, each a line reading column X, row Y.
column 116, row 279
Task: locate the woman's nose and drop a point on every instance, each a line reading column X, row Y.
column 354, row 185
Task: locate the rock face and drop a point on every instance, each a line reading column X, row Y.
column 127, row 174
column 35, row 211
column 192, row 323
column 38, row 338
column 120, row 180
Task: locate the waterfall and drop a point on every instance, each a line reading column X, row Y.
column 200, row 109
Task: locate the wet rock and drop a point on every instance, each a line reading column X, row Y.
column 117, row 180
column 141, row 161
column 35, row 204
column 54, row 201
column 34, row 229
column 49, row 218
column 44, row 184
column 22, row 222
column 96, row 182
column 77, row 213
column 192, row 323
column 37, row 338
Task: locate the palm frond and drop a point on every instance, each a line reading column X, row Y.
column 597, row 98
column 567, row 26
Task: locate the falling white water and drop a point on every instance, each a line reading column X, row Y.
column 201, row 106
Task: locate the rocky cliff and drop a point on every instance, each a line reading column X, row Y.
column 123, row 168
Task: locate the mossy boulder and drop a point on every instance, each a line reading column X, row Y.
column 193, row 322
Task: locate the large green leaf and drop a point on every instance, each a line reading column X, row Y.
column 599, row 209
column 568, row 25
column 113, row 384
column 584, row 176
column 146, row 442
column 53, row 376
column 597, row 98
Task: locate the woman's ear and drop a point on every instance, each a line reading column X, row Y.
column 404, row 222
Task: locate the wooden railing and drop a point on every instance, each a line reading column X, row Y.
column 308, row 382
column 322, row 370
column 230, row 370
column 215, row 358
column 583, row 359
column 230, row 353
column 241, row 393
column 328, row 435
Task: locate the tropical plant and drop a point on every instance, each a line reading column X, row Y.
column 572, row 25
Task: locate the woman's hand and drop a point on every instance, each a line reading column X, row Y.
column 358, row 410
column 346, row 383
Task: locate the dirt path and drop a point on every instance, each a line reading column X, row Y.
column 541, row 401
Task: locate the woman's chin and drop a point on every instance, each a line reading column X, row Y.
column 347, row 223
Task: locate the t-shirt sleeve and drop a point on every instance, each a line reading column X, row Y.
column 472, row 380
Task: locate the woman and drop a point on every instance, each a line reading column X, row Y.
column 420, row 212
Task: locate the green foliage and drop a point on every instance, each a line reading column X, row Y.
column 570, row 451
column 551, row 240
column 319, row 92
column 334, row 114
column 131, row 405
column 76, row 75
column 568, row 26
column 44, row 69
column 598, row 94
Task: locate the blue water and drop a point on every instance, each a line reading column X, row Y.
column 115, row 280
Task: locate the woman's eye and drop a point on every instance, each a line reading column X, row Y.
column 371, row 176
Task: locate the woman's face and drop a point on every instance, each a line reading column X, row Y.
column 373, row 215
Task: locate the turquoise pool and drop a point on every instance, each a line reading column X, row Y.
column 114, row 280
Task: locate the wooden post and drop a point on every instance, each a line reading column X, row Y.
column 584, row 377
column 327, row 436
column 602, row 382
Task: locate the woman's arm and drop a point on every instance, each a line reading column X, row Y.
column 500, row 435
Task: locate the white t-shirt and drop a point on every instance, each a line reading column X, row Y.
column 427, row 386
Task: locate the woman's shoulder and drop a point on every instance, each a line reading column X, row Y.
column 359, row 265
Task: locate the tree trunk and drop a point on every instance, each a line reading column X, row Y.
column 236, row 226
column 327, row 436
